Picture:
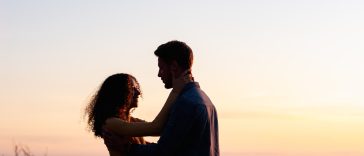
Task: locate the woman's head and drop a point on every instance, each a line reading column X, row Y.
column 117, row 92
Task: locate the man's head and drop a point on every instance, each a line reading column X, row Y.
column 174, row 57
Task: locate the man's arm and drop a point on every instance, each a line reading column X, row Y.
column 177, row 129
column 123, row 128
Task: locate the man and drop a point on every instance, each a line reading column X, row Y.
column 192, row 126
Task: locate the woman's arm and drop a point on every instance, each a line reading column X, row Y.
column 155, row 127
column 133, row 119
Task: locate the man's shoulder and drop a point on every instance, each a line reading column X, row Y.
column 193, row 97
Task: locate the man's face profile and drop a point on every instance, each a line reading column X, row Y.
column 165, row 73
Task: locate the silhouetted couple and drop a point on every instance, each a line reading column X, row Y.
column 187, row 124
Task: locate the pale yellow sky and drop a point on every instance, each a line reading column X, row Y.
column 286, row 76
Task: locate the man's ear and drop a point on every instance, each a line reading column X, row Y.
column 175, row 69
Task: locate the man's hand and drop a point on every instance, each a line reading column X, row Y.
column 115, row 142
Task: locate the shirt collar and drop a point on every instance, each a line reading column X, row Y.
column 190, row 85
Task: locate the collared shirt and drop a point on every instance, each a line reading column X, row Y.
column 191, row 129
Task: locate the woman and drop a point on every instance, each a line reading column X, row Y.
column 110, row 108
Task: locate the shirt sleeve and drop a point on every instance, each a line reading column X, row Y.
column 179, row 125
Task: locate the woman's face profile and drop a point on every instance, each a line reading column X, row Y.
column 135, row 92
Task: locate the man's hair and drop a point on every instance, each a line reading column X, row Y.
column 176, row 51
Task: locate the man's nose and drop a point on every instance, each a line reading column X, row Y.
column 159, row 73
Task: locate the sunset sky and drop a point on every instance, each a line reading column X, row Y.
column 286, row 76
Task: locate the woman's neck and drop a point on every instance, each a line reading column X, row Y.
column 124, row 115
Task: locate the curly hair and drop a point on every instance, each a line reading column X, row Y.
column 114, row 93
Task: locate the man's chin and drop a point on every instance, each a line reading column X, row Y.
column 167, row 86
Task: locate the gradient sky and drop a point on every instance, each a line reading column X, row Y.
column 286, row 76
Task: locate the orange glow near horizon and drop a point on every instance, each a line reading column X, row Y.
column 286, row 77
